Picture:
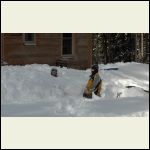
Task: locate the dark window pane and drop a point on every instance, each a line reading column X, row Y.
column 67, row 35
column 67, row 45
column 29, row 37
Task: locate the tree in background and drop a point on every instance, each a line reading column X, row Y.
column 117, row 47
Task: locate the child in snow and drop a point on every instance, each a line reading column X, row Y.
column 94, row 84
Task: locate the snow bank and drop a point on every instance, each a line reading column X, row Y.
column 31, row 91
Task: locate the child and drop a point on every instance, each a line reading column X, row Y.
column 94, row 84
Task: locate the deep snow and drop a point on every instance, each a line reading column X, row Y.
column 31, row 91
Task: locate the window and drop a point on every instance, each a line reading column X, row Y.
column 29, row 38
column 67, row 44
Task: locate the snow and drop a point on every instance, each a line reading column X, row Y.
column 31, row 90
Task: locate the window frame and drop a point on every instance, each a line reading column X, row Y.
column 29, row 42
column 72, row 47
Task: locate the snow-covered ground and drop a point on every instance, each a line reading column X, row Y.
column 31, row 91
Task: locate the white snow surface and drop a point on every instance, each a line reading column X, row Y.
column 31, row 91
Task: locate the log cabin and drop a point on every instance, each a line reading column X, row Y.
column 73, row 50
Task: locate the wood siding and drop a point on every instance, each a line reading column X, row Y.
column 47, row 49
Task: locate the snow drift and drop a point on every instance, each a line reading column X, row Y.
column 31, row 90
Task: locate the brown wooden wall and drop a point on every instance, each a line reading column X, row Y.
column 47, row 49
